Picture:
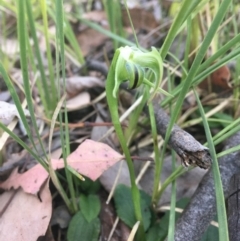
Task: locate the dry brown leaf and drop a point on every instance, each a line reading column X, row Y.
column 78, row 101
column 76, row 84
column 141, row 19
column 89, row 39
column 26, row 217
column 90, row 159
column 218, row 81
column 96, row 16
column 8, row 112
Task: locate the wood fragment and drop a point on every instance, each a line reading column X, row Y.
column 192, row 153
column 202, row 207
column 233, row 210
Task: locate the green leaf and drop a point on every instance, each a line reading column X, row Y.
column 90, row 206
column 125, row 208
column 220, row 201
column 89, row 186
column 211, row 234
column 80, row 229
column 159, row 230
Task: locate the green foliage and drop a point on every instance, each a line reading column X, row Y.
column 133, row 68
column 89, row 186
column 159, row 229
column 113, row 11
column 90, row 206
column 125, row 208
column 220, row 200
column 211, row 234
column 80, row 229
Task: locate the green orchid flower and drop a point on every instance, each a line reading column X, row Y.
column 131, row 64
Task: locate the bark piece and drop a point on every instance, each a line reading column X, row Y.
column 192, row 153
column 233, row 208
column 202, row 208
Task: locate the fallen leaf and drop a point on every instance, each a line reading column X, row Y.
column 30, row 181
column 218, row 81
column 61, row 216
column 90, row 159
column 141, row 19
column 48, row 236
column 90, row 39
column 76, row 84
column 78, row 101
column 8, row 112
column 120, row 169
column 9, row 47
column 24, row 216
column 96, row 16
column 4, row 95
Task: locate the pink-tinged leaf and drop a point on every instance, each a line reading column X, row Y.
column 31, row 180
column 90, row 159
column 24, row 216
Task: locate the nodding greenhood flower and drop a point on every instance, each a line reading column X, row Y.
column 130, row 64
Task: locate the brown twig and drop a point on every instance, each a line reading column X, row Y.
column 139, row 158
column 202, row 207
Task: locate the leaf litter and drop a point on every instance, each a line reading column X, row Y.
column 33, row 179
column 90, row 159
column 8, row 112
column 25, row 216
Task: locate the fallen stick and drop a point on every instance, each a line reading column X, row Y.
column 233, row 202
column 192, row 153
column 202, row 207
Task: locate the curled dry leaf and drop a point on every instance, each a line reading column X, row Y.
column 8, row 112
column 90, row 159
column 24, row 216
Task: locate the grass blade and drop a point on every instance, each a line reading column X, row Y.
column 186, row 9
column 64, row 132
column 221, row 209
column 196, row 63
column 26, row 81
column 48, row 102
column 24, row 145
